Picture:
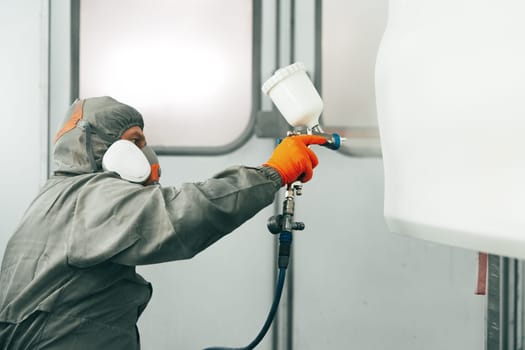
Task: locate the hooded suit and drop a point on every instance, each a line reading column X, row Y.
column 68, row 277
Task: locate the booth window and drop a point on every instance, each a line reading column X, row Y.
column 187, row 66
column 350, row 34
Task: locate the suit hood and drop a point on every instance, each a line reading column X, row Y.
column 91, row 125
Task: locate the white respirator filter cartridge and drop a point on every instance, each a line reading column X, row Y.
column 127, row 160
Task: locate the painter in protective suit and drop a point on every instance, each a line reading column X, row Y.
column 68, row 277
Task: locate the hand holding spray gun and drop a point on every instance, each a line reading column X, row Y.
column 294, row 160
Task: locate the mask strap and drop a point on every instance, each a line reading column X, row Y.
column 89, row 146
column 90, row 130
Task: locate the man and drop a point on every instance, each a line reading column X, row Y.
column 68, row 277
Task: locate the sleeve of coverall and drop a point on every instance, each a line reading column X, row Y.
column 154, row 224
column 202, row 213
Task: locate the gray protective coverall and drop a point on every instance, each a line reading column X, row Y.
column 68, row 277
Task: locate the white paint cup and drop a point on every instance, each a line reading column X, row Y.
column 294, row 94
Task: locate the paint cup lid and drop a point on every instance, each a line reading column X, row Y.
column 282, row 74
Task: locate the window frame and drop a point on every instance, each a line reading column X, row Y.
column 229, row 147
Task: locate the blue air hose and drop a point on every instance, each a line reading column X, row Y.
column 269, row 319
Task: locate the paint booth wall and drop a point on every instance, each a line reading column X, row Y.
column 23, row 101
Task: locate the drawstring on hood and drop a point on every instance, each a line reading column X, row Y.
column 91, row 126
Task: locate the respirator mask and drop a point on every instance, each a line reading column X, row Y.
column 131, row 163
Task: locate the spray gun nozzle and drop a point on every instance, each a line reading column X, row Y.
column 333, row 141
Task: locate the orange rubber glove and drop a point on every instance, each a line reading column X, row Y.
column 293, row 159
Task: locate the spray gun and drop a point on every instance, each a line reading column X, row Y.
column 300, row 104
column 293, row 93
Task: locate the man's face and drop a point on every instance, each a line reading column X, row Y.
column 135, row 135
